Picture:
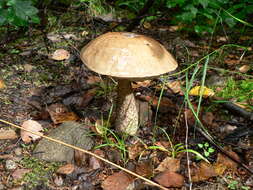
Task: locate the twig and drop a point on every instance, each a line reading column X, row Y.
column 87, row 152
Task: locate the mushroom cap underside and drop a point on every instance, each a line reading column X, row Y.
column 127, row 55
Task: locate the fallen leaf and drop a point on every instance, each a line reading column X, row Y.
column 222, row 39
column 66, row 169
column 79, row 158
column 2, row 85
column 174, row 28
column 117, row 181
column 31, row 125
column 135, row 150
column 93, row 79
column 19, row 173
column 196, row 91
column 169, row 179
column 232, row 61
column 95, row 163
column 202, row 172
column 59, row 113
column 175, row 86
column 145, row 83
column 60, row 54
column 144, row 168
column 7, row 134
column 244, row 68
column 54, row 37
column 169, row 164
column 88, row 96
column 225, row 161
column 28, row 68
column 166, row 105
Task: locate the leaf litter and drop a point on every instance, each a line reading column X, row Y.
column 61, row 112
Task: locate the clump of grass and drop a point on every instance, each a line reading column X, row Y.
column 241, row 90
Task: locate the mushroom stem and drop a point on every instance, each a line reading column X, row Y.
column 127, row 111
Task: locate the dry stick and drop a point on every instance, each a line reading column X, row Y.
column 87, row 152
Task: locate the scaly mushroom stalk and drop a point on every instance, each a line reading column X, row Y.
column 127, row 110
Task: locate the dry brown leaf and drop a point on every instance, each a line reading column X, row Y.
column 144, row 169
column 145, row 83
column 95, row 163
column 135, row 150
column 175, row 86
column 60, row 54
column 2, row 85
column 88, row 96
column 66, row 169
column 7, row 134
column 169, row 179
column 117, row 181
column 232, row 61
column 59, row 113
column 169, row 164
column 31, row 125
column 19, row 173
column 93, row 79
column 225, row 161
column 202, row 172
column 174, row 28
column 244, row 68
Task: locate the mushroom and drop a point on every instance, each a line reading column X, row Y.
column 127, row 57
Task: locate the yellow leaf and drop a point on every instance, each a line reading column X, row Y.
column 2, row 85
column 196, row 91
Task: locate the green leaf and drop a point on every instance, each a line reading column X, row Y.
column 3, row 15
column 211, row 150
column 206, row 144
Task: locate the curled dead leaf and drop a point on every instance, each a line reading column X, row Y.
column 7, row 134
column 66, row 169
column 60, row 54
column 59, row 113
column 169, row 164
column 31, row 125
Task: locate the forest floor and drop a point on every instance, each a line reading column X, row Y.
column 34, row 85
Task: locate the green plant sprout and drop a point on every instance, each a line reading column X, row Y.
column 106, row 132
column 241, row 90
column 207, row 150
column 234, row 184
column 176, row 149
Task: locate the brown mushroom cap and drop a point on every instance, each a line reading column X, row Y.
column 127, row 55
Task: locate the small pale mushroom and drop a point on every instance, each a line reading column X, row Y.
column 127, row 57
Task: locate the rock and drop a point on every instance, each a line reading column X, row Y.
column 69, row 132
column 10, row 165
